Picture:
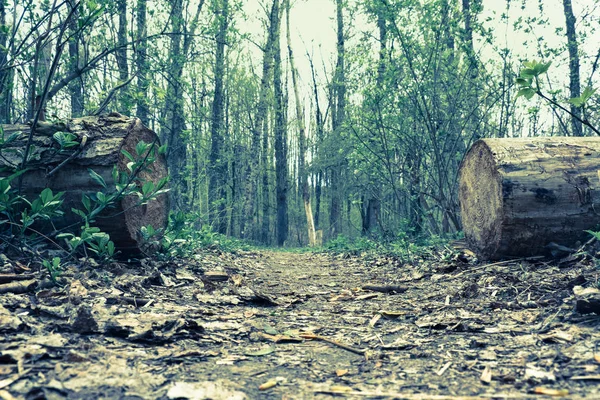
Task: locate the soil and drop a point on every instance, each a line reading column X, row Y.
column 284, row 325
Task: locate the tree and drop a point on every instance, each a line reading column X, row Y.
column 216, row 188
column 252, row 170
column 121, row 56
column 141, row 61
column 302, row 172
column 574, row 78
column 281, row 151
column 338, row 116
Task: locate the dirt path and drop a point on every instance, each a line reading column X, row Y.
column 304, row 326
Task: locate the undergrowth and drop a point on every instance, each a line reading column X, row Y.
column 402, row 246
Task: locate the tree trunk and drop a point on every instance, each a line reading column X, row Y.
column 76, row 86
column 320, row 129
column 102, row 139
column 266, row 205
column 574, row 78
column 303, row 178
column 520, row 195
column 141, row 61
column 216, row 186
column 6, row 75
column 121, row 55
column 281, row 169
column 339, row 84
column 252, row 171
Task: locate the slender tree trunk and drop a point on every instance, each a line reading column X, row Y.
column 320, row 129
column 173, row 118
column 281, row 167
column 468, row 37
column 266, row 206
column 216, row 187
column 141, row 61
column 303, row 178
column 335, row 219
column 252, row 171
column 121, row 55
column 76, row 86
column 574, row 76
column 6, row 75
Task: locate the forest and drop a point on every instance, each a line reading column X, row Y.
column 270, row 140
column 299, row 199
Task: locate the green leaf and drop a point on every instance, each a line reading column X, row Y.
column 46, row 196
column 528, row 93
column 162, row 150
column 147, row 188
column 527, row 73
column 128, row 155
column 541, row 68
column 96, row 177
column 141, row 147
column 524, row 81
column 261, row 352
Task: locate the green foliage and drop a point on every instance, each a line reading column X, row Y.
column 182, row 238
column 403, row 246
column 53, row 267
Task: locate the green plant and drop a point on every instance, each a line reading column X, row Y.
column 53, row 267
column 182, row 238
column 529, row 83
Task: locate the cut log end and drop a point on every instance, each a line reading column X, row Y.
column 481, row 200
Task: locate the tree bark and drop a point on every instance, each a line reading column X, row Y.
column 252, row 171
column 518, row 196
column 216, row 186
column 302, row 174
column 281, row 168
column 142, row 65
column 6, row 75
column 101, row 141
column 335, row 217
column 76, row 86
column 121, row 55
column 574, row 76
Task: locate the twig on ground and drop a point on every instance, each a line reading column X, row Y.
column 335, row 343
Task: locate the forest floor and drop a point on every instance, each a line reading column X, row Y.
column 284, row 325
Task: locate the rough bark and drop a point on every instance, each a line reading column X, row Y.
column 252, row 170
column 102, row 140
column 302, row 174
column 335, row 217
column 216, row 185
column 281, row 168
column 6, row 75
column 142, row 65
column 574, row 76
column 121, row 55
column 520, row 195
column 76, row 86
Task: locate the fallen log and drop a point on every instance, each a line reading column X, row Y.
column 100, row 141
column 519, row 196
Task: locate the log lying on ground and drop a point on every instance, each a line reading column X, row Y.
column 101, row 140
column 520, row 196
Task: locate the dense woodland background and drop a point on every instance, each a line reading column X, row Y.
column 367, row 143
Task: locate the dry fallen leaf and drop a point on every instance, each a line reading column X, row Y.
column 341, row 372
column 551, row 392
column 268, row 384
column 486, row 375
column 597, row 357
column 374, row 320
